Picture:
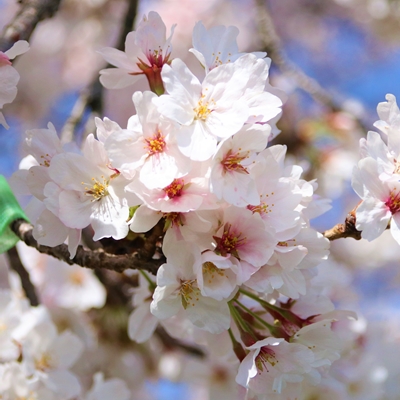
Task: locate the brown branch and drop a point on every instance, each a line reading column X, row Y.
column 24, row 23
column 92, row 96
column 84, row 257
column 17, row 266
column 172, row 343
column 273, row 47
column 348, row 229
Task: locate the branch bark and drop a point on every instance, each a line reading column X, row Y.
column 92, row 96
column 92, row 259
column 17, row 266
column 273, row 47
column 24, row 23
column 348, row 229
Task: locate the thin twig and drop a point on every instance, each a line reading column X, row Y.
column 27, row 285
column 172, row 343
column 273, row 47
column 25, row 21
column 92, row 96
column 84, row 257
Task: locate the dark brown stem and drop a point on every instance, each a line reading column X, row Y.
column 24, row 23
column 171, row 343
column 27, row 285
column 348, row 229
column 84, row 257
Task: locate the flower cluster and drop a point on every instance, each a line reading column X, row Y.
column 36, row 357
column 194, row 159
column 377, row 175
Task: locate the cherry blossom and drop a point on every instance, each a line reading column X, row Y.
column 216, row 46
column 9, row 77
column 146, row 51
column 147, row 146
column 90, row 191
column 177, row 291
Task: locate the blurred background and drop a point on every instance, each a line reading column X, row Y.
column 345, row 52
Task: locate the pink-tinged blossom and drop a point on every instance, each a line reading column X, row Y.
column 91, row 191
column 272, row 363
column 216, row 46
column 178, row 291
column 43, row 145
column 105, row 128
column 279, row 198
column 184, row 194
column 148, row 146
column 291, row 283
column 48, row 356
column 231, row 177
column 243, row 235
column 146, row 51
column 381, row 201
column 389, row 115
column 9, row 77
column 142, row 323
column 192, row 226
column 219, row 106
column 216, row 275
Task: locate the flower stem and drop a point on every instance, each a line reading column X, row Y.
column 152, row 285
column 286, row 314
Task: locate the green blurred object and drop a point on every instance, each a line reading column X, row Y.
column 10, row 210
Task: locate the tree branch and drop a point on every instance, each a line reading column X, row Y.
column 171, row 343
column 24, row 23
column 348, row 229
column 273, row 47
column 87, row 258
column 17, row 266
column 92, row 96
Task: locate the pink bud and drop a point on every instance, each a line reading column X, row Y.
column 4, row 60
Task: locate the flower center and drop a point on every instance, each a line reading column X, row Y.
column 44, row 362
column 393, row 202
column 173, row 219
column 98, row 190
column 175, row 188
column 265, row 356
column 203, row 109
column 230, row 242
column 210, row 271
column 189, row 293
column 264, row 207
column 232, row 162
column 45, row 160
column 77, row 277
column 156, row 144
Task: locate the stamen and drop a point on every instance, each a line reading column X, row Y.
column 232, row 162
column 98, row 189
column 393, row 203
column 46, row 160
column 265, row 356
column 210, row 270
column 203, row 110
column 175, row 188
column 230, row 242
column 189, row 294
column 44, row 362
column 156, row 144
